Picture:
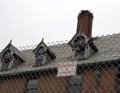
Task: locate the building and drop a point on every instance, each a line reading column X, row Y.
column 35, row 70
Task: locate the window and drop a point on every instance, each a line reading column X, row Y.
column 74, row 84
column 118, row 71
column 79, row 48
column 40, row 56
column 32, row 86
column 43, row 54
column 6, row 58
column 80, row 41
column 39, row 60
column 7, row 55
column 41, row 50
column 98, row 75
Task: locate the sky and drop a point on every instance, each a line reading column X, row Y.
column 26, row 22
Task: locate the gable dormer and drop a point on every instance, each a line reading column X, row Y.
column 10, row 57
column 82, row 46
column 43, row 54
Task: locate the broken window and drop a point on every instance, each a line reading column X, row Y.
column 79, row 47
column 6, row 58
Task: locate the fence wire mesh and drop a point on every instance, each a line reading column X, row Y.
column 93, row 75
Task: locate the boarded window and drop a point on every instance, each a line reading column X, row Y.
column 32, row 86
column 74, row 83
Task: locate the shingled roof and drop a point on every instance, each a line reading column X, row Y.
column 108, row 46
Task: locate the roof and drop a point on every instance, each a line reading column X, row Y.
column 108, row 46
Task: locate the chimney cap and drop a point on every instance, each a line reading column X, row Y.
column 84, row 13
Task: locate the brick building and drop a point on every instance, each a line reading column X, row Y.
column 35, row 70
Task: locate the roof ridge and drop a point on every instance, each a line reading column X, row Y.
column 49, row 44
column 107, row 35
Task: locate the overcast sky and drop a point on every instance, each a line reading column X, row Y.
column 26, row 22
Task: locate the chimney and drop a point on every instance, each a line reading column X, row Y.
column 85, row 19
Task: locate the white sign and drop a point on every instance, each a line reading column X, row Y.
column 67, row 68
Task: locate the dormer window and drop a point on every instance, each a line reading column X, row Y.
column 79, row 48
column 41, row 50
column 6, row 58
column 80, row 40
column 82, row 46
column 10, row 57
column 43, row 54
column 40, row 56
column 79, row 45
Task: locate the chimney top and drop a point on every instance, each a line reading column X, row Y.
column 85, row 12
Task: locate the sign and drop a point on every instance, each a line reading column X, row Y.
column 67, row 68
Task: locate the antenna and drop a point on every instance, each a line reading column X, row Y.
column 42, row 40
column 10, row 41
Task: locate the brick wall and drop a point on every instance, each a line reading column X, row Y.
column 88, row 81
column 51, row 84
column 13, row 85
column 107, row 81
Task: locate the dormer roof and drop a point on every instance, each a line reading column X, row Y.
column 82, row 46
column 78, row 34
column 10, row 57
column 87, row 39
column 46, row 48
column 13, row 49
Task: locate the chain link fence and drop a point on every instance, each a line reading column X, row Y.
column 93, row 75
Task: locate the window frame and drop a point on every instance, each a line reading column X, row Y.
column 27, row 89
column 75, row 85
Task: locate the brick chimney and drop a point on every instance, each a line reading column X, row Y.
column 85, row 19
